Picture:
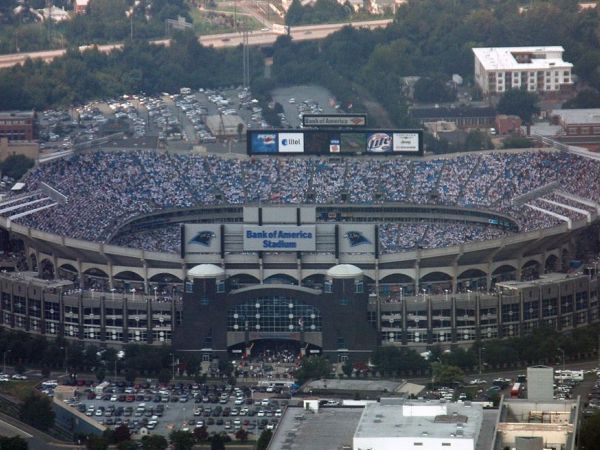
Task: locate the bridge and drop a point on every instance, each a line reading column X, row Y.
column 299, row 33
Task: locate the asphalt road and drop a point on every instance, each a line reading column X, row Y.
column 219, row 40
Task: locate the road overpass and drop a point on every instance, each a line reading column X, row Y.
column 300, row 33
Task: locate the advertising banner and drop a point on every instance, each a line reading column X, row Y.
column 334, row 120
column 201, row 238
column 406, row 142
column 357, row 238
column 347, row 142
column 279, row 238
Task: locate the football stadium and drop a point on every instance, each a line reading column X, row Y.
column 222, row 255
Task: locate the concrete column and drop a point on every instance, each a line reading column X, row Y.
column 146, row 287
column 80, row 273
column 417, row 277
column 454, row 277
column 149, row 306
column 55, row 264
column 111, row 284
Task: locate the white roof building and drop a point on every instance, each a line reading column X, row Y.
column 396, row 424
column 537, row 69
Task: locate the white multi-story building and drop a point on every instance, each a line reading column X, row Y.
column 536, row 69
column 421, row 425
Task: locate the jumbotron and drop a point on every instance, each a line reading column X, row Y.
column 154, row 247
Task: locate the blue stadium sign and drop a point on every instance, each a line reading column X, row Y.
column 280, row 238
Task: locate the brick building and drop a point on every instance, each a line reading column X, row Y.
column 17, row 125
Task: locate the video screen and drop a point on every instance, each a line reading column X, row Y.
column 331, row 142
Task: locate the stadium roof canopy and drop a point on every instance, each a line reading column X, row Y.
column 206, row 271
column 344, row 271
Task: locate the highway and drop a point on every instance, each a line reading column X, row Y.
column 300, row 33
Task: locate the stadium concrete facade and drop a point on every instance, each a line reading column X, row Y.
column 414, row 298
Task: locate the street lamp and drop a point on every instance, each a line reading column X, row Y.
column 468, row 295
column 112, row 291
column 480, row 360
column 446, row 292
column 133, row 292
column 120, row 355
column 155, row 289
column 563, row 361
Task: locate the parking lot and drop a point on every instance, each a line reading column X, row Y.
column 219, row 408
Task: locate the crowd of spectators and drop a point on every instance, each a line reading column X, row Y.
column 104, row 189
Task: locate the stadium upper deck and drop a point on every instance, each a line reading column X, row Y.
column 541, row 197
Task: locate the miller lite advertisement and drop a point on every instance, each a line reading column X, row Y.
column 379, row 143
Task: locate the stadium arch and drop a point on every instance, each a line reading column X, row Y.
column 551, row 264
column 316, row 279
column 47, row 269
column 280, row 278
column 504, row 272
column 437, row 279
column 472, row 278
column 243, row 279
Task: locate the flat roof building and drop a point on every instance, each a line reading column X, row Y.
column 536, row 69
column 540, row 383
column 397, row 423
column 526, row 424
column 578, row 122
column 17, row 125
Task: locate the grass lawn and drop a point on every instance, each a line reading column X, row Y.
column 18, row 389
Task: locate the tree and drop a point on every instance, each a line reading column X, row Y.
column 164, row 376
column 477, row 140
column 96, row 443
column 433, row 90
column 127, row 445
column 15, row 166
column 130, row 374
column 241, row 435
column 100, row 375
column 520, row 103
column 201, row 434
column 217, row 442
column 181, row 440
column 446, row 374
column 347, row 368
column 294, row 13
column 516, row 142
column 590, row 433
column 36, row 410
column 154, row 442
column 313, row 367
column 13, row 443
column 121, row 434
column 264, row 439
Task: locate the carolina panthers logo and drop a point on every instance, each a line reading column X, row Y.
column 203, row 238
column 356, row 238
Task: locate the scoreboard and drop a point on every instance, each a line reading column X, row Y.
column 335, row 142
